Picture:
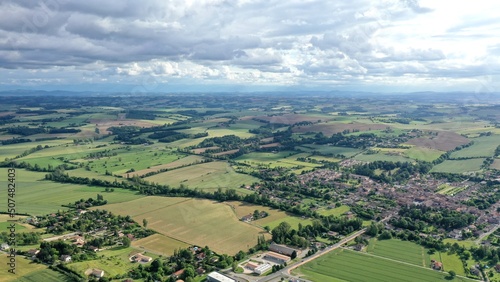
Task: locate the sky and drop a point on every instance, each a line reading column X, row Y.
column 250, row 45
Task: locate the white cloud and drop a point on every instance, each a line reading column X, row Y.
column 361, row 42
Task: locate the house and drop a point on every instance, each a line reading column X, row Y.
column 263, row 268
column 200, row 271
column 281, row 249
column 178, row 273
column 277, row 258
column 93, row 248
column 497, row 267
column 95, row 272
column 247, row 218
column 333, row 234
column 65, row 258
column 436, row 265
column 131, row 237
column 475, row 271
column 217, row 277
column 32, row 252
column 4, row 247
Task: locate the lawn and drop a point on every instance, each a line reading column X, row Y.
column 39, row 197
column 347, row 265
column 450, row 262
column 458, row 166
column 211, row 176
column 404, row 251
column 382, row 157
column 193, row 221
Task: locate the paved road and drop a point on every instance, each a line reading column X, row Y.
column 484, row 235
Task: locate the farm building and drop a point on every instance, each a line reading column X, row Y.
column 263, row 268
column 95, row 272
column 217, row 277
column 277, row 258
column 281, row 249
column 65, row 258
column 436, row 265
column 251, row 266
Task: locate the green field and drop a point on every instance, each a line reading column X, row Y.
column 211, row 176
column 193, row 221
column 458, row 166
column 25, row 269
column 39, row 197
column 335, row 211
column 483, row 147
column 347, row 265
column 382, row 157
column 423, row 154
column 404, row 251
column 450, row 262
column 264, row 158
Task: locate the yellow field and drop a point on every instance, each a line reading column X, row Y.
column 194, row 221
column 23, row 267
column 159, row 244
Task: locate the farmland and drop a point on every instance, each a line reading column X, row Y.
column 199, row 222
column 355, row 266
column 189, row 167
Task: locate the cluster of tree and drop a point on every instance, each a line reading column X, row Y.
column 63, row 130
column 198, row 114
column 24, row 238
column 226, row 142
column 25, row 130
column 15, row 141
column 138, row 114
column 418, row 217
column 7, row 119
column 102, row 154
column 404, row 170
column 90, row 202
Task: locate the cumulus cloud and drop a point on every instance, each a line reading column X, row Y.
column 245, row 41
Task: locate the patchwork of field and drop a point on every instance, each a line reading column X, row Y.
column 290, row 119
column 188, row 160
column 347, row 265
column 329, row 129
column 331, row 150
column 193, row 221
column 209, row 176
column 458, row 166
column 159, row 244
column 38, row 197
column 382, row 157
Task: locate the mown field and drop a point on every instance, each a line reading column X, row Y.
column 39, row 197
column 193, row 221
column 458, row 166
column 483, row 147
column 404, row 251
column 347, row 265
column 159, row 244
column 207, row 176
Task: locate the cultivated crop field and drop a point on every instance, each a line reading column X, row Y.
column 347, row 265
column 211, row 176
column 159, row 244
column 274, row 218
column 193, row 221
